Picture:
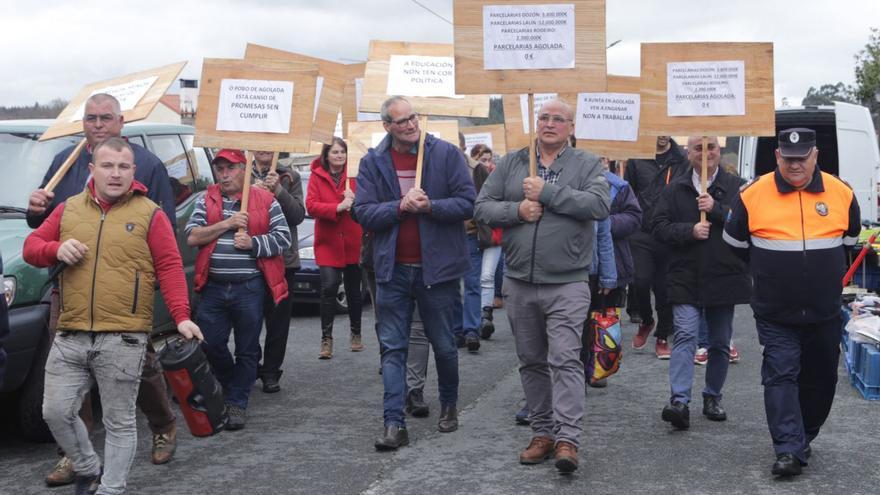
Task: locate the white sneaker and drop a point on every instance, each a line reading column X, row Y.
column 702, row 356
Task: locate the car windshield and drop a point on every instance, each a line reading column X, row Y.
column 23, row 162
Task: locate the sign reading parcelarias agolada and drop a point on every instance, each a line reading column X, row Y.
column 416, row 75
column 128, row 94
column 706, row 88
column 608, row 116
column 248, row 105
column 528, row 36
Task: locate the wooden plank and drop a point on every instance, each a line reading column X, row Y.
column 304, row 77
column 644, row 147
column 349, row 95
column 361, row 136
column 499, row 142
column 375, row 88
column 588, row 73
column 760, row 112
column 334, row 77
column 514, row 133
column 69, row 121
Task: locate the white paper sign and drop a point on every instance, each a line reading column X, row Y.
column 178, row 169
column 528, row 36
column 363, row 116
column 377, row 138
column 128, row 94
column 416, row 75
column 318, row 88
column 706, row 88
column 540, row 99
column 248, row 105
column 471, row 140
column 608, row 116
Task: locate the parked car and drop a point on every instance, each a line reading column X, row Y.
column 847, row 143
column 23, row 162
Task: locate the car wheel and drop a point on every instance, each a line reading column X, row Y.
column 341, row 300
column 30, row 397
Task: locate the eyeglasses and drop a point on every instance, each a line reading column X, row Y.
column 406, row 120
column 556, row 119
column 105, row 118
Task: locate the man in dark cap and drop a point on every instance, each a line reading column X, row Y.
column 793, row 226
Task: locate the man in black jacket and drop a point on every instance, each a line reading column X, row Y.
column 704, row 278
column 648, row 178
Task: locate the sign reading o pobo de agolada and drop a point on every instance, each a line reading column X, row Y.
column 248, row 105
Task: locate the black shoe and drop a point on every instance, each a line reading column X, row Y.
column 392, row 438
column 678, row 414
column 473, row 342
column 598, row 383
column 87, row 485
column 448, row 418
column 487, row 327
column 522, row 416
column 786, row 465
column 271, row 385
column 415, row 404
column 712, row 409
column 459, row 341
column 808, row 451
column 237, row 417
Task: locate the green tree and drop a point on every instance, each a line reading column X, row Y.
column 827, row 94
column 867, row 88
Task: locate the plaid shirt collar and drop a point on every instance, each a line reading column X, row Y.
column 545, row 173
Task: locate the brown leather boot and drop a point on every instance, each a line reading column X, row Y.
column 566, row 457
column 357, row 344
column 326, row 349
column 62, row 473
column 164, row 445
column 538, row 451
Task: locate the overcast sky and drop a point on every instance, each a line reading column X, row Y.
column 52, row 49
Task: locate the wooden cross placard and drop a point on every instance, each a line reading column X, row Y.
column 608, row 124
column 529, row 46
column 490, row 135
column 422, row 72
column 138, row 93
column 265, row 106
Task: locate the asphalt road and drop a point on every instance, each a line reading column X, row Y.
column 316, row 436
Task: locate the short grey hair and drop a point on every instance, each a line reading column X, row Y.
column 383, row 112
column 565, row 106
column 102, row 97
column 115, row 144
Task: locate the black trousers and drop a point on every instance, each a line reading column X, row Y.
column 277, row 318
column 651, row 262
column 331, row 277
column 799, row 374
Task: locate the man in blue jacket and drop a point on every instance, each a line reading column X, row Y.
column 419, row 254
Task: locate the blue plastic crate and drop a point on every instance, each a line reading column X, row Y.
column 863, row 366
column 871, row 279
column 868, row 392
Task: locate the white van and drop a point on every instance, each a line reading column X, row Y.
column 847, row 146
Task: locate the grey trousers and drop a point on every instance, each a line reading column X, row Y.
column 418, row 353
column 547, row 322
column 114, row 361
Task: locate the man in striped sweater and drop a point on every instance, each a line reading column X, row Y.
column 240, row 258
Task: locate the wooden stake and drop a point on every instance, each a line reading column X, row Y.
column 533, row 163
column 246, row 188
column 423, row 129
column 704, row 174
column 62, row 170
column 274, row 161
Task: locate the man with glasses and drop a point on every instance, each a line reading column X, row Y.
column 102, row 119
column 792, row 226
column 419, row 255
column 549, row 230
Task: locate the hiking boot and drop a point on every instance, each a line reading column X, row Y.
column 712, row 409
column 702, row 356
column 164, row 445
column 539, row 450
column 661, row 349
column 487, row 326
column 472, row 340
column 448, row 421
column 326, row 349
column 641, row 337
column 678, row 414
column 237, row 417
column 270, row 384
column 415, row 404
column 356, row 344
column 62, row 474
column 566, row 457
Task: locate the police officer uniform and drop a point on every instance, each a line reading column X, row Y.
column 795, row 242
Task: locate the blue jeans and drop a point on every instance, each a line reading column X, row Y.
column 395, row 301
column 686, row 322
column 471, row 305
column 225, row 305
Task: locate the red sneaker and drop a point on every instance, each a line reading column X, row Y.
column 661, row 348
column 641, row 337
column 734, row 354
column 702, row 356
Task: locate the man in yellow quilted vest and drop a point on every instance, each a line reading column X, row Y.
column 115, row 243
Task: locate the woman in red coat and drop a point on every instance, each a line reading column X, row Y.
column 337, row 241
